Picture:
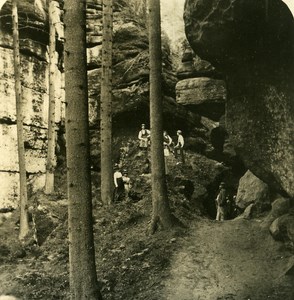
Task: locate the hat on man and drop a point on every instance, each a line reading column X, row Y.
column 179, row 131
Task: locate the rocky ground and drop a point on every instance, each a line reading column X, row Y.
column 202, row 259
column 235, row 259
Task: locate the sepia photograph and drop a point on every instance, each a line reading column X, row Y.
column 147, row 150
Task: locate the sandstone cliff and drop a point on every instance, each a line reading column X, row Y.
column 252, row 43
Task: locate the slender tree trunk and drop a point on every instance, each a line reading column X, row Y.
column 83, row 278
column 105, row 105
column 51, row 161
column 24, row 224
column 161, row 211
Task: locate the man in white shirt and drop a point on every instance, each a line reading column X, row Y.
column 144, row 135
column 179, row 147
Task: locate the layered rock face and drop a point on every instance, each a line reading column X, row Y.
column 34, row 80
column 252, row 43
column 130, row 83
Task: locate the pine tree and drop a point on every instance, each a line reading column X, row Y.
column 83, row 278
column 161, row 211
column 106, row 105
column 51, row 161
column 24, row 223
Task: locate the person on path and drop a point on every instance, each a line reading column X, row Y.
column 119, row 189
column 127, row 183
column 143, row 136
column 221, row 203
column 179, row 147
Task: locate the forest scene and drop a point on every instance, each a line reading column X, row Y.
column 147, row 149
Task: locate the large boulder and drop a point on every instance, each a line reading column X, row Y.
column 280, row 207
column 195, row 91
column 252, row 190
column 253, row 45
column 282, row 228
column 203, row 95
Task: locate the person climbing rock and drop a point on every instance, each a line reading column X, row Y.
column 221, row 203
column 119, row 189
column 143, row 136
column 127, row 183
column 179, row 147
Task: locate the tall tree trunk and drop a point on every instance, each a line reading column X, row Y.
column 51, row 161
column 161, row 210
column 83, row 278
column 105, row 105
column 24, row 223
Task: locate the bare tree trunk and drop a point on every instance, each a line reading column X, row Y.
column 106, row 105
column 161, row 210
column 51, row 161
column 24, row 224
column 83, row 278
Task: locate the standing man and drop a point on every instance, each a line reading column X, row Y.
column 144, row 135
column 179, row 147
column 221, row 203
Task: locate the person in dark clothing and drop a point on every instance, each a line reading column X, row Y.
column 119, row 190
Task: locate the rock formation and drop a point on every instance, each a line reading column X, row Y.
column 252, row 43
column 34, row 76
column 130, row 83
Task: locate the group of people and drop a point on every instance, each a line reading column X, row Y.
column 122, row 181
column 169, row 147
column 225, row 204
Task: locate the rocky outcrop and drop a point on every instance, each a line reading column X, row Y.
column 282, row 229
column 253, row 45
column 130, row 83
column 34, row 78
column 195, row 91
column 254, row 191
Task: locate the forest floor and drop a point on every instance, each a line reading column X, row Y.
column 209, row 260
column 200, row 260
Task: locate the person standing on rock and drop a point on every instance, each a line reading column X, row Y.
column 119, row 190
column 221, row 203
column 144, row 135
column 167, row 141
column 179, row 147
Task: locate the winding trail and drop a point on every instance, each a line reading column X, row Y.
column 233, row 260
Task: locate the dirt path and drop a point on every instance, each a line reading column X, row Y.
column 229, row 260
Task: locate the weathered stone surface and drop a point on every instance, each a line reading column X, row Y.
column 94, row 57
column 280, row 206
column 35, row 81
column 195, row 91
column 252, row 190
column 253, row 46
column 35, row 149
column 283, row 228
